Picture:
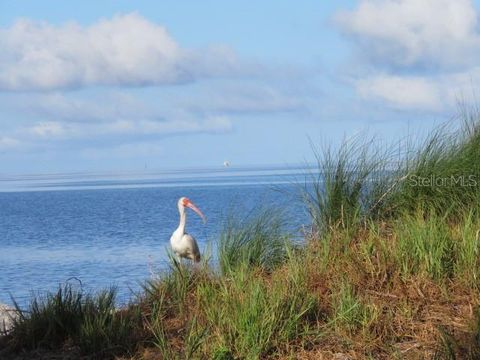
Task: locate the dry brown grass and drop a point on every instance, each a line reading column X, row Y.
column 410, row 314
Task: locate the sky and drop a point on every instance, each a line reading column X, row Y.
column 106, row 86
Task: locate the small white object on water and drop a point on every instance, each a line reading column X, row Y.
column 226, row 163
column 7, row 316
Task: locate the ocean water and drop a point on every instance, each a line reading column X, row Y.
column 114, row 230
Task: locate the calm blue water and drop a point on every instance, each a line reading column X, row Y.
column 104, row 235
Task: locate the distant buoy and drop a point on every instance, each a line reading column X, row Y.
column 226, row 163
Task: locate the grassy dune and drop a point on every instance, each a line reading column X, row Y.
column 390, row 270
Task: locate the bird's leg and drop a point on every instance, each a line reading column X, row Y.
column 183, row 266
column 179, row 260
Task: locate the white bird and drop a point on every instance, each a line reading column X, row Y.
column 184, row 245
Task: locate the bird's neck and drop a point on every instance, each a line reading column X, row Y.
column 183, row 221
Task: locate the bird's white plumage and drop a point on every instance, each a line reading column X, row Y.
column 183, row 244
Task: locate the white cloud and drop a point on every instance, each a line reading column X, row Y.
column 57, row 130
column 7, row 143
column 405, row 33
column 80, row 119
column 48, row 129
column 415, row 55
column 425, row 93
column 415, row 93
column 124, row 50
column 219, row 123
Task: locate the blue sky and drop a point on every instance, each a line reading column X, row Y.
column 115, row 85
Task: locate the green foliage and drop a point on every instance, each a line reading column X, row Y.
column 443, row 175
column 349, row 312
column 361, row 181
column 467, row 246
column 155, row 325
column 250, row 317
column 429, row 245
column 50, row 320
column 350, row 185
column 424, row 246
column 104, row 329
column 257, row 241
column 167, row 296
column 193, row 338
column 70, row 316
column 173, row 286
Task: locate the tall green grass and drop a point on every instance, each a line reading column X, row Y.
column 241, row 311
column 192, row 338
column 431, row 246
column 424, row 246
column 105, row 330
column 249, row 316
column 50, row 320
column 467, row 245
column 362, row 180
column 259, row 240
column 442, row 174
column 350, row 313
column 350, row 185
column 90, row 322
column 170, row 297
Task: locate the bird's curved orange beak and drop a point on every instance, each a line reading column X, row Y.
column 197, row 210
